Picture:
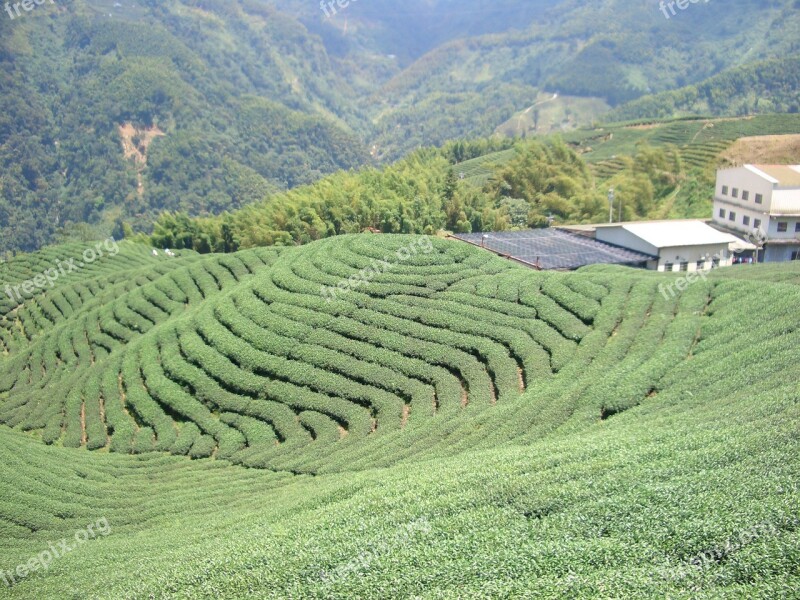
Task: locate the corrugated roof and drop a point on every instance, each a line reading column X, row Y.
column 784, row 175
column 665, row 234
column 554, row 249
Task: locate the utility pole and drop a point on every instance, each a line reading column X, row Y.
column 611, row 205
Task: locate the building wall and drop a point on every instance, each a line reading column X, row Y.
column 780, row 253
column 744, row 180
column 690, row 254
column 791, row 232
column 746, row 220
column 693, row 255
column 748, row 215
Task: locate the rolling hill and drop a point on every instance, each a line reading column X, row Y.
column 444, row 424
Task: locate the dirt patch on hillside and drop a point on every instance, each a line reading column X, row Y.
column 135, row 142
column 764, row 149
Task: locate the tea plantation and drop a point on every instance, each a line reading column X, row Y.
column 397, row 416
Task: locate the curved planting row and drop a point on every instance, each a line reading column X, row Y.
column 28, row 275
column 52, row 306
column 95, row 334
column 347, row 353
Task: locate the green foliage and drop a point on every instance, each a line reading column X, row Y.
column 216, row 123
column 760, row 88
column 455, row 402
column 533, row 183
column 222, row 105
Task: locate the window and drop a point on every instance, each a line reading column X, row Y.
column 759, row 199
column 783, row 227
column 795, row 255
column 797, row 227
column 668, row 267
column 684, row 266
column 721, row 213
column 715, row 261
column 731, row 216
column 745, row 195
column 757, row 223
column 701, row 264
column 724, row 190
column 735, row 193
column 746, row 221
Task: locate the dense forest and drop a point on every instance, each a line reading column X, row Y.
column 231, row 123
column 424, row 193
column 116, row 112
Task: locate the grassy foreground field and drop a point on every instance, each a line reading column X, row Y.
column 444, row 425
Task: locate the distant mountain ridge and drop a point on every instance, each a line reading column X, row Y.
column 254, row 96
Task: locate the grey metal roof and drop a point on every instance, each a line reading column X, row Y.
column 554, row 249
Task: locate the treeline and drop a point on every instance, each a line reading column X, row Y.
column 422, row 194
column 771, row 86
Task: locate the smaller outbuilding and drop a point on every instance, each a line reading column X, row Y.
column 676, row 245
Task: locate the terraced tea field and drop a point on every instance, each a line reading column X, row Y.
column 447, row 424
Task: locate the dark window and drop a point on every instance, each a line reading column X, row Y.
column 746, row 220
column 783, row 227
column 724, row 190
column 721, row 213
column 684, row 266
column 795, row 255
column 759, row 198
column 715, row 262
column 701, row 264
column 668, row 267
column 757, row 223
column 745, row 195
column 731, row 216
column 735, row 193
column 797, row 227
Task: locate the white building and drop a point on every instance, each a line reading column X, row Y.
column 763, row 203
column 674, row 245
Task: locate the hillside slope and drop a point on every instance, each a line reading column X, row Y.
column 544, row 434
column 613, row 51
column 245, row 101
column 771, row 86
column 118, row 111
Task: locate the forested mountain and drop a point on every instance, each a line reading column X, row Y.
column 115, row 112
column 613, row 50
column 246, row 102
column 766, row 86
